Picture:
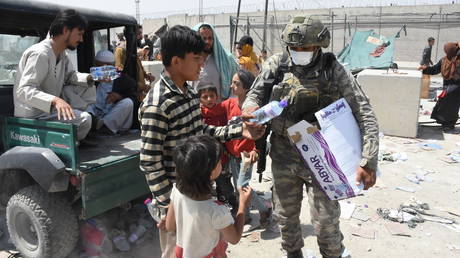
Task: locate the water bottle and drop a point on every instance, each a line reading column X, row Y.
column 153, row 209
column 269, row 111
column 105, row 72
column 140, row 230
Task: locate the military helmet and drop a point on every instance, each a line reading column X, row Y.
column 306, row 32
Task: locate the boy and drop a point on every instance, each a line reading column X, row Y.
column 171, row 113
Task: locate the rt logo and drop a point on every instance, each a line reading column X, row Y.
column 305, row 147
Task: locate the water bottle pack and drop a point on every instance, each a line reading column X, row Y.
column 106, row 72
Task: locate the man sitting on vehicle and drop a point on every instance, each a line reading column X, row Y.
column 113, row 106
column 45, row 68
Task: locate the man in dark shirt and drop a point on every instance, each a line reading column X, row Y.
column 426, row 57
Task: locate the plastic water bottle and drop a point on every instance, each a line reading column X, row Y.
column 269, row 111
column 153, row 209
column 104, row 72
column 138, row 233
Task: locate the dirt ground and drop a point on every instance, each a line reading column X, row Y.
column 440, row 190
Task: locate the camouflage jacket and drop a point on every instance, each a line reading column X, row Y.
column 347, row 87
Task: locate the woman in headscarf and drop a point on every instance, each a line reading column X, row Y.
column 446, row 109
column 248, row 59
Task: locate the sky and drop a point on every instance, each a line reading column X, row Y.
column 162, row 8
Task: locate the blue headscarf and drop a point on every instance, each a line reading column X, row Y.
column 226, row 63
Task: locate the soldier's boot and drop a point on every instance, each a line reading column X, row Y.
column 295, row 254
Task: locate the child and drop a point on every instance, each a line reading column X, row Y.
column 214, row 113
column 113, row 107
column 171, row 113
column 243, row 153
column 203, row 225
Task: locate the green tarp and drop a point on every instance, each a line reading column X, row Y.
column 367, row 50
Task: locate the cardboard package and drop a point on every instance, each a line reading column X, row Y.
column 333, row 153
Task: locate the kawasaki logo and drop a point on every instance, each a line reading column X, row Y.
column 25, row 138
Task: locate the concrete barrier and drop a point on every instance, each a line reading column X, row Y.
column 395, row 98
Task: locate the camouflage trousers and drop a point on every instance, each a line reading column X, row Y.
column 290, row 174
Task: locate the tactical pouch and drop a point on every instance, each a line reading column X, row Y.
column 279, row 91
column 304, row 100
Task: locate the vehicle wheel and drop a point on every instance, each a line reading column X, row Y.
column 41, row 224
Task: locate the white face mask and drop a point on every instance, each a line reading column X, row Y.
column 301, row 57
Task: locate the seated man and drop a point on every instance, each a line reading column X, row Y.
column 113, row 106
column 44, row 69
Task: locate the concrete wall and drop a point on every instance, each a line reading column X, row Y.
column 422, row 22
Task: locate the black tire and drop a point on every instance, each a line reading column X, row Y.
column 41, row 224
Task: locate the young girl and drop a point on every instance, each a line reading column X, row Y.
column 203, row 225
column 243, row 153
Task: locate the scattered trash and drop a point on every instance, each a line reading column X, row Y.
column 375, row 216
column 393, row 157
column 454, row 227
column 397, row 229
column 136, row 233
column 413, row 179
column 120, row 241
column 405, row 189
column 347, row 208
column 369, row 249
column 453, row 247
column 95, row 241
column 420, row 176
column 363, row 232
column 450, row 211
column 428, row 234
column 454, row 158
column 430, row 146
column 451, row 158
column 412, row 213
column 360, row 214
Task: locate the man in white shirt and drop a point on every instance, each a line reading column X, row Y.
column 43, row 71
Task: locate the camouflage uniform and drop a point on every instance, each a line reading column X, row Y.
column 290, row 173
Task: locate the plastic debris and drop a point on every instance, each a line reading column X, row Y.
column 412, row 213
column 363, row 232
column 120, row 241
column 95, row 241
column 359, row 214
column 453, row 247
column 347, row 208
column 430, row 146
column 393, row 157
column 405, row 189
column 397, row 229
column 454, row 227
column 137, row 233
column 451, row 158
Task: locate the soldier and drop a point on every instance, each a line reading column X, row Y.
column 312, row 80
